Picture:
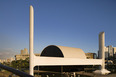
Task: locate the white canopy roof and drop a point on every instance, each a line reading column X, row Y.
column 62, row 51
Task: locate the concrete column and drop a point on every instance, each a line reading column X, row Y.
column 102, row 49
column 31, row 55
column 74, row 74
column 61, row 69
column 101, row 55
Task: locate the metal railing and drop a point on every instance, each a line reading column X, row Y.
column 16, row 72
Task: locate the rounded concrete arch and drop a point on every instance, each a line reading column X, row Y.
column 62, row 51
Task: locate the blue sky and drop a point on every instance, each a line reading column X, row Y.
column 72, row 23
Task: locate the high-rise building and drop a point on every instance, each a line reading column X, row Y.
column 24, row 54
column 25, row 51
column 21, row 52
column 106, row 52
column 110, row 51
column 114, row 49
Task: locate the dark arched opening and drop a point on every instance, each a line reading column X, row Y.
column 52, row 51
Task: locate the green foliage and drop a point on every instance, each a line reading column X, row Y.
column 111, row 58
column 114, row 61
column 20, row 64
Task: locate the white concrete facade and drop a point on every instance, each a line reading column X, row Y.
column 62, row 51
column 55, row 61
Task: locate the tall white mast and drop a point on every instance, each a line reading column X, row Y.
column 101, row 54
column 31, row 36
column 102, row 49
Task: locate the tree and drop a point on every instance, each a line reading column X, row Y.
column 20, row 64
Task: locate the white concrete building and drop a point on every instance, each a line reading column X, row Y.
column 59, row 55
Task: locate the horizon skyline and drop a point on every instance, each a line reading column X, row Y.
column 66, row 23
column 39, row 53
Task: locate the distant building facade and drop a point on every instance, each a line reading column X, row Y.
column 110, row 51
column 23, row 55
column 8, row 60
column 114, row 49
column 24, row 52
column 91, row 55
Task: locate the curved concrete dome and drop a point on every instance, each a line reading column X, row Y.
column 61, row 51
